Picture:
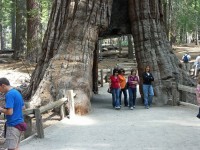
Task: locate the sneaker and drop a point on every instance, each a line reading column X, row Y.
column 117, row 107
column 131, row 108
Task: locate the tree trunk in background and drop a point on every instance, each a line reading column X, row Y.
column 33, row 30
column 13, row 23
column 67, row 52
column 120, row 44
column 1, row 26
column 130, row 47
column 197, row 27
column 1, row 37
column 20, row 48
column 152, row 48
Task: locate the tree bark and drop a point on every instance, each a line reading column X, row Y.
column 13, row 23
column 33, row 30
column 1, row 38
column 130, row 47
column 152, row 47
column 67, row 58
column 20, row 46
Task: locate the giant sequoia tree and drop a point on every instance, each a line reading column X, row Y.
column 69, row 43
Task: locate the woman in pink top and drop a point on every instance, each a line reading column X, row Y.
column 133, row 80
column 198, row 95
column 115, row 86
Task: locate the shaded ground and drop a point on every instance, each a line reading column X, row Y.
column 178, row 50
column 157, row 128
column 193, row 50
column 19, row 73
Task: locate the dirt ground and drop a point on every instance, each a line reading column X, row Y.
column 110, row 62
column 18, row 72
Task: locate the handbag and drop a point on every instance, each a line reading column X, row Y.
column 109, row 90
column 127, row 85
column 198, row 115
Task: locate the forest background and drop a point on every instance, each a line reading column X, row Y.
column 23, row 24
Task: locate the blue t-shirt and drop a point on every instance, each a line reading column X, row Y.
column 15, row 101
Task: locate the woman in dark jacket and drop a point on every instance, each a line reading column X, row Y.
column 147, row 87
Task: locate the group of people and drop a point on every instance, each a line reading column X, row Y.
column 119, row 84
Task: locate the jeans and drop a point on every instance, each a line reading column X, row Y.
column 148, row 94
column 125, row 96
column 132, row 96
column 115, row 97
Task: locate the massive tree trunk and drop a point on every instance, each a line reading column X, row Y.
column 67, row 58
column 33, row 30
column 73, row 29
column 152, row 47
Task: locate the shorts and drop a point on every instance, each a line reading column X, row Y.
column 13, row 137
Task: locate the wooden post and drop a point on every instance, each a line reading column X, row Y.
column 62, row 112
column 95, row 69
column 28, row 121
column 101, row 77
column 71, row 103
column 174, row 93
column 39, row 126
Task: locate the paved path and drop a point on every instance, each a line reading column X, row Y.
column 157, row 128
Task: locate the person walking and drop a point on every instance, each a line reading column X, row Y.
column 14, row 105
column 148, row 92
column 198, row 95
column 196, row 66
column 115, row 86
column 123, row 90
column 133, row 80
column 186, row 58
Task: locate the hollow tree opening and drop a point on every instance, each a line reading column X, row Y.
column 68, row 48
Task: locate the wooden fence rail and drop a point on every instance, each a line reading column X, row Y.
column 6, row 51
column 186, row 88
column 29, row 114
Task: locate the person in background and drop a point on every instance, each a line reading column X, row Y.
column 186, row 58
column 198, row 95
column 115, row 86
column 147, row 87
column 123, row 90
column 14, row 117
column 196, row 66
column 133, row 80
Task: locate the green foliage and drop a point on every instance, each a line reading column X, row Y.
column 6, row 9
column 125, row 43
column 45, row 13
column 185, row 16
